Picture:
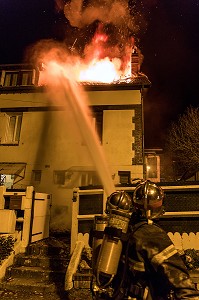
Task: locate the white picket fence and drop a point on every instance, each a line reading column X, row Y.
column 181, row 241
column 185, row 241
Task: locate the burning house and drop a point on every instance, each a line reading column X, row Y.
column 72, row 128
column 71, row 120
column 55, row 146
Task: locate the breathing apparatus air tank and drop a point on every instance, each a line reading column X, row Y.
column 100, row 222
column 119, row 209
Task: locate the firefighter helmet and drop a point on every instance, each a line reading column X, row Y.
column 148, row 198
column 119, row 200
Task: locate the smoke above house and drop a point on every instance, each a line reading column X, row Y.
column 106, row 11
column 109, row 29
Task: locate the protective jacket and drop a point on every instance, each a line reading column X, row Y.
column 151, row 267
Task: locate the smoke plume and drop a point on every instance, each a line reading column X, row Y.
column 114, row 12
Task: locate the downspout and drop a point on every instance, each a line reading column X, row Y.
column 143, row 154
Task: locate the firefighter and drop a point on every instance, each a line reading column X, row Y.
column 150, row 266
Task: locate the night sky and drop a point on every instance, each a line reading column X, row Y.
column 168, row 39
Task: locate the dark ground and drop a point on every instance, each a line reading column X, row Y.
column 73, row 294
column 77, row 294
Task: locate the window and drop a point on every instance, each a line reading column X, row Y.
column 10, row 128
column 125, row 177
column 83, row 178
column 2, row 179
column 10, row 78
column 36, row 176
column 91, row 204
column 17, row 77
column 89, row 178
column 93, row 125
column 98, row 115
column 59, row 177
column 27, row 77
column 153, row 167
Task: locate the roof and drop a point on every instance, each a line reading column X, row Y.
column 137, row 82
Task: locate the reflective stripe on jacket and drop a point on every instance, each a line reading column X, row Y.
column 153, row 261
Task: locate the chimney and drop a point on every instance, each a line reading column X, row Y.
column 135, row 66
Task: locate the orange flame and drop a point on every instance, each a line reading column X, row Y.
column 102, row 62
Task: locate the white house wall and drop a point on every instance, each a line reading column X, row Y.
column 50, row 141
column 121, row 97
column 117, row 136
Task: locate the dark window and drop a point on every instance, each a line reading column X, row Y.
column 59, row 177
column 36, row 175
column 152, row 167
column 91, row 204
column 125, row 177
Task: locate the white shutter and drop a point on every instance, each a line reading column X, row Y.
column 2, row 79
column 4, row 123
